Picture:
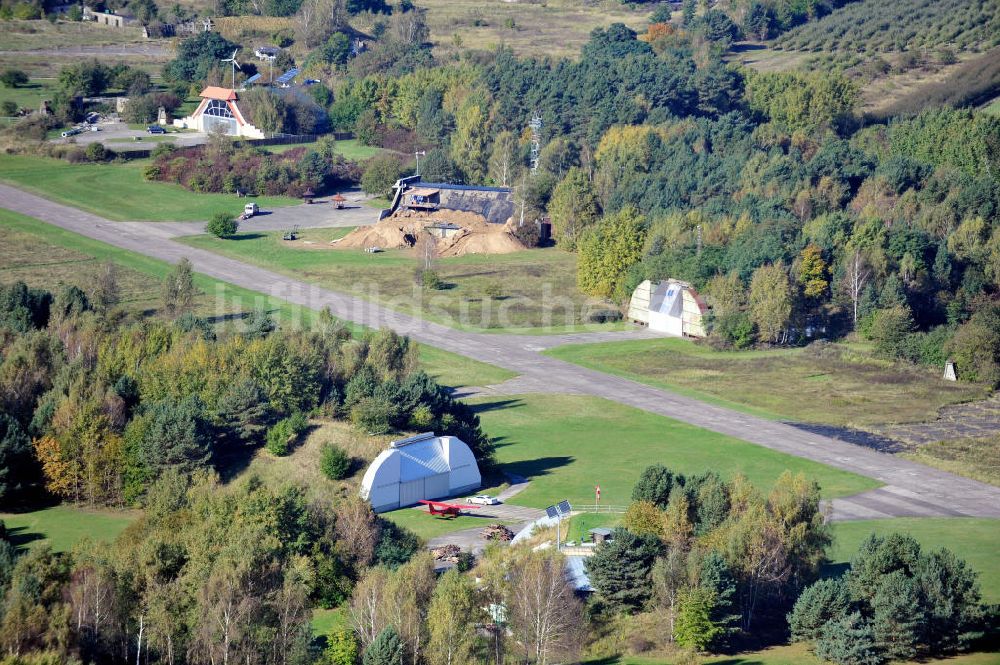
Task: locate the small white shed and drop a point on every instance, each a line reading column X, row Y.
column 422, row 467
column 670, row 306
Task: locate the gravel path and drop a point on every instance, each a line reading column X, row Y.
column 910, row 488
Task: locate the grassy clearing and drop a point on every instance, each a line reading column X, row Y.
column 61, row 527
column 974, row 540
column 350, row 149
column 29, row 96
column 325, row 621
column 538, row 286
column 568, row 444
column 118, row 191
column 556, row 28
column 793, row 654
column 580, row 525
column 840, row 385
column 301, row 466
column 46, row 256
column 974, row 458
column 18, row 35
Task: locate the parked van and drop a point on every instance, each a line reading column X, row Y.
column 250, row 209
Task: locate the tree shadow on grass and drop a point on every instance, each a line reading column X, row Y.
column 20, row 537
column 496, row 405
column 536, row 468
column 246, row 236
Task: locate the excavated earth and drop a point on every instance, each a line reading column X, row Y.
column 404, row 228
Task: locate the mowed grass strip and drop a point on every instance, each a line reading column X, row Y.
column 973, row 539
column 61, row 527
column 43, row 255
column 119, row 192
column 838, row 384
column 496, row 293
column 566, row 445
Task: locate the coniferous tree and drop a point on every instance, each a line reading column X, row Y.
column 620, row 569
column 385, row 649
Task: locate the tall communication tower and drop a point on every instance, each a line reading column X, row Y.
column 536, row 141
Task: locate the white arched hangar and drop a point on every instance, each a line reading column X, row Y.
column 422, row 467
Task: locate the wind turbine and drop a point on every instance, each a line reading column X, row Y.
column 236, row 65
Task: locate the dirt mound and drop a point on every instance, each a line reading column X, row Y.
column 474, row 236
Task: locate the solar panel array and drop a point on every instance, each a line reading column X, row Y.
column 564, row 508
column 252, row 79
column 288, row 76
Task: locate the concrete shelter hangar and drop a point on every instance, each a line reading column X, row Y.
column 421, row 467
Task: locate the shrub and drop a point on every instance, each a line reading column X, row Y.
column 96, row 152
column 430, row 280
column 736, row 329
column 285, row 432
column 222, row 225
column 890, row 330
column 604, row 316
column 466, row 561
column 12, row 78
column 163, row 150
column 8, row 108
column 380, row 174
column 373, row 415
column 334, row 463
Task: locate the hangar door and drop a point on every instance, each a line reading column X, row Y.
column 218, row 116
column 429, row 487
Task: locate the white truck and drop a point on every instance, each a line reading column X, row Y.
column 249, row 210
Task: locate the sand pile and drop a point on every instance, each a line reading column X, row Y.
column 403, row 229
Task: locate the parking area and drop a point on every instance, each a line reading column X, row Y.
column 118, row 136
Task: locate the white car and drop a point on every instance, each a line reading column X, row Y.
column 484, row 500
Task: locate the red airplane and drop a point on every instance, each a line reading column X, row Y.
column 447, row 509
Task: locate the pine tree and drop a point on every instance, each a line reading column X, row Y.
column 848, row 641
column 385, row 649
column 620, row 569
column 824, row 601
column 897, row 616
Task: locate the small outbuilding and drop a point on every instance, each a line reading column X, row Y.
column 422, row 467
column 600, row 535
column 671, row 306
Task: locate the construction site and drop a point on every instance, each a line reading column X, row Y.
column 457, row 219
